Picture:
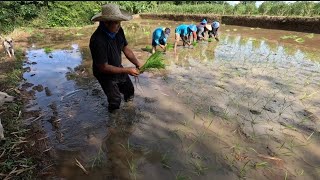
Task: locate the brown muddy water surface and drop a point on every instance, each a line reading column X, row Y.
column 244, row 107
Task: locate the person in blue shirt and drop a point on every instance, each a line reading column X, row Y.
column 215, row 27
column 159, row 37
column 184, row 31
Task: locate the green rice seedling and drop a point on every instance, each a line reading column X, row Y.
column 210, row 40
column 310, row 36
column 289, row 37
column 133, row 169
column 194, row 44
column 262, row 164
column 299, row 40
column 170, row 46
column 290, row 127
column 285, row 178
column 198, row 168
column 97, row 160
column 175, row 134
column 180, row 176
column 243, row 170
column 128, row 147
column 79, row 34
column 299, row 173
column 154, row 61
column 305, row 96
column 148, row 47
column 47, row 50
column 285, row 37
column 310, row 136
column 165, row 161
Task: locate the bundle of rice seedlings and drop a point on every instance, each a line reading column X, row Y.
column 209, row 39
column 154, row 61
column 194, row 44
column 170, row 46
column 148, row 48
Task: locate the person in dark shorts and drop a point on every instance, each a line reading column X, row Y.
column 106, row 45
column 215, row 27
column 159, row 38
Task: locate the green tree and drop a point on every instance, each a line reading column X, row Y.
column 265, row 7
column 239, row 9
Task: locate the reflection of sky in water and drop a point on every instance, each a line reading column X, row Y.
column 68, row 112
column 51, row 72
column 241, row 49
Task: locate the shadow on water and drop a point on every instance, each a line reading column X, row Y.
column 240, row 107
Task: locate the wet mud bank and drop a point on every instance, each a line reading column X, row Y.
column 300, row 24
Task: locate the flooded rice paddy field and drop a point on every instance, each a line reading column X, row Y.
column 244, row 107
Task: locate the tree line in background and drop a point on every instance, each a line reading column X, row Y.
column 53, row 13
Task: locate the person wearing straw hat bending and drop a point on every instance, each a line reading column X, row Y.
column 159, row 37
column 184, row 31
column 202, row 28
column 106, row 45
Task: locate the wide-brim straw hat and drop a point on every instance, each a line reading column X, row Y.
column 208, row 26
column 112, row 12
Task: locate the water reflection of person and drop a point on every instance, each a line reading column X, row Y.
column 182, row 58
column 159, row 38
column 203, row 56
column 184, row 31
column 106, row 44
column 116, row 143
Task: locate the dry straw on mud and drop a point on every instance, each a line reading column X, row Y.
column 155, row 61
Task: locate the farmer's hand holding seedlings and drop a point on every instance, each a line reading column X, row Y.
column 133, row 71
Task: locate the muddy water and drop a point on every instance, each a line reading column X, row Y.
column 243, row 107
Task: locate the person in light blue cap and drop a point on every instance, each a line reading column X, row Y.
column 159, row 37
column 184, row 31
column 215, row 27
